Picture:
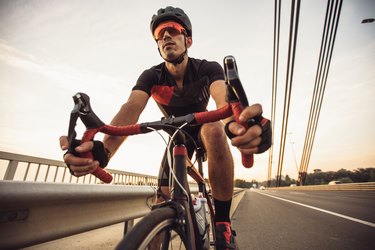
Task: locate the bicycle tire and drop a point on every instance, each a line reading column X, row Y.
column 157, row 221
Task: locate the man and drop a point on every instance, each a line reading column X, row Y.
column 182, row 85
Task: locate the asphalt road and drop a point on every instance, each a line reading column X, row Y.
column 267, row 219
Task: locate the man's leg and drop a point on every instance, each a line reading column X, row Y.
column 221, row 175
column 220, row 161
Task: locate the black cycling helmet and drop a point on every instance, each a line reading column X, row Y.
column 171, row 13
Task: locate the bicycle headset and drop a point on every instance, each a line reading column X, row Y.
column 177, row 15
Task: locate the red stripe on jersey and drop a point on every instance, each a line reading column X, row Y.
column 162, row 94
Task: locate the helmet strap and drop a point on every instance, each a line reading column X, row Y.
column 179, row 59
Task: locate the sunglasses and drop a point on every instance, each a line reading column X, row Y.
column 171, row 31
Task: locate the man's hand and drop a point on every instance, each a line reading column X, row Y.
column 78, row 166
column 257, row 138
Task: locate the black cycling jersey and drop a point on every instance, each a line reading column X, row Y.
column 158, row 83
column 194, row 97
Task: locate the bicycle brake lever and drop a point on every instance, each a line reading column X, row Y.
column 237, row 98
column 233, row 81
column 72, row 124
column 84, row 110
column 72, row 134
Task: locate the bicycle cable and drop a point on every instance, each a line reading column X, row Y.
column 166, row 143
column 157, row 131
column 169, row 159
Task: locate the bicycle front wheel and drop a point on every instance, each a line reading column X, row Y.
column 157, row 230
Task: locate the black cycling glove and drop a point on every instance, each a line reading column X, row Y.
column 266, row 135
column 100, row 153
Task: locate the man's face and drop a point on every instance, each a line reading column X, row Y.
column 171, row 46
column 171, row 40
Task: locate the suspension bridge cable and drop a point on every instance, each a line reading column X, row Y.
column 316, row 89
column 320, row 90
column 329, row 36
column 276, row 42
column 288, row 84
column 331, row 43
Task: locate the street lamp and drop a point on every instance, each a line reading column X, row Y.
column 368, row 20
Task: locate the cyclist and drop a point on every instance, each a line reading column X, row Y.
column 182, row 85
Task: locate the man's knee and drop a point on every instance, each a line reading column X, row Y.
column 213, row 132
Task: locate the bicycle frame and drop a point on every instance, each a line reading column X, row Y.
column 180, row 195
column 180, row 192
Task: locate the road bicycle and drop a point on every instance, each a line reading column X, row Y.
column 173, row 223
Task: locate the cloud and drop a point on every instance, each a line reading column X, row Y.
column 17, row 58
column 66, row 76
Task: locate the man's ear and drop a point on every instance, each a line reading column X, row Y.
column 189, row 41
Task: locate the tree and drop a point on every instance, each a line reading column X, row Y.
column 244, row 184
column 372, row 174
column 343, row 175
column 345, row 180
column 323, row 178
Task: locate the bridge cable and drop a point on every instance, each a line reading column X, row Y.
column 294, row 19
column 329, row 37
column 316, row 89
column 276, row 42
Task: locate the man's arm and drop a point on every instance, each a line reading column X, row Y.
column 218, row 90
column 129, row 113
column 247, row 141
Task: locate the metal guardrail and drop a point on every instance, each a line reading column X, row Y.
column 42, row 201
column 28, row 168
column 36, row 212
column 365, row 186
column 36, row 209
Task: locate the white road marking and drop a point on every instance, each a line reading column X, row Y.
column 322, row 210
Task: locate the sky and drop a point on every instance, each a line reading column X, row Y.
column 50, row 50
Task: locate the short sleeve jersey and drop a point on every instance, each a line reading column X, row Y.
column 194, row 97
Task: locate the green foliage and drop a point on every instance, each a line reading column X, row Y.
column 319, row 178
column 343, row 175
column 244, row 184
